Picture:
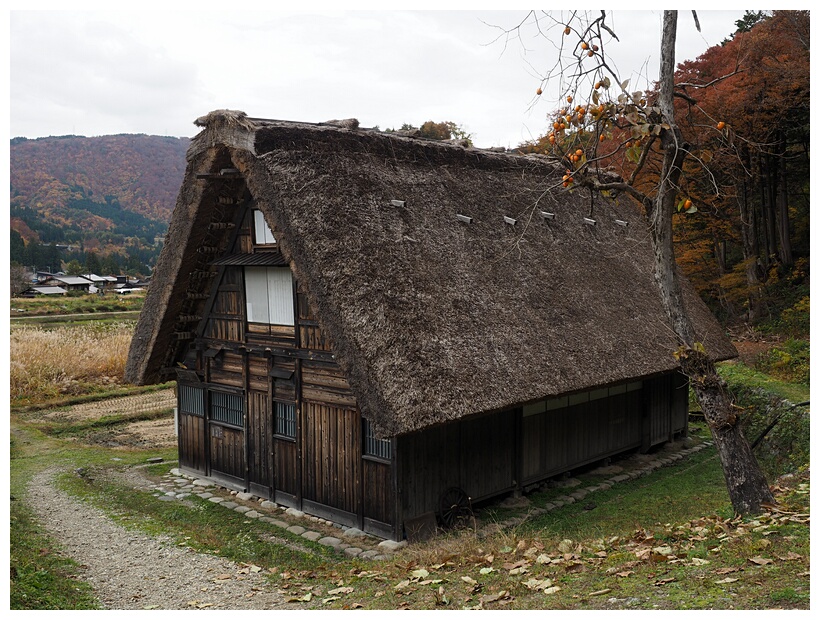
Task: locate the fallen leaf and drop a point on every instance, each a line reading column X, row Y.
column 345, row 590
column 574, row 567
column 538, row 584
column 699, row 562
column 761, row 561
column 543, row 559
column 491, row 598
column 663, row 582
column 791, row 555
column 486, row 570
column 625, row 573
column 565, row 546
column 552, row 590
column 727, row 580
column 329, row 599
column 403, row 584
column 465, row 579
column 420, row 573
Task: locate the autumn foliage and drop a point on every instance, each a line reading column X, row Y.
column 101, row 193
column 741, row 231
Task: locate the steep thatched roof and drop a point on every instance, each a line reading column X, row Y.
column 434, row 318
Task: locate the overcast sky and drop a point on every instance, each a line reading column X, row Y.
column 154, row 70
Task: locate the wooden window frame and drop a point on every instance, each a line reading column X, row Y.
column 181, row 399
column 268, row 238
column 253, row 302
column 230, row 396
column 369, row 440
column 288, row 421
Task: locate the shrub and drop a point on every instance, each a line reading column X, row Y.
column 788, row 361
column 795, row 320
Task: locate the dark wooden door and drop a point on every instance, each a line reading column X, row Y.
column 331, row 461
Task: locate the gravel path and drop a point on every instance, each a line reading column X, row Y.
column 130, row 570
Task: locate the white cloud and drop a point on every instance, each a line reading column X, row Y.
column 92, row 72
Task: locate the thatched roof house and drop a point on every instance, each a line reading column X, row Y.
column 450, row 281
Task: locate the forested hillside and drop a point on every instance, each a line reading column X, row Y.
column 110, row 196
column 742, row 228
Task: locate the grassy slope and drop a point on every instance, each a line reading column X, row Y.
column 662, row 541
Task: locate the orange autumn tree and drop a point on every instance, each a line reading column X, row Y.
column 603, row 124
column 743, row 109
column 749, row 134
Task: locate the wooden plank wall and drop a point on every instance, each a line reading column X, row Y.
column 659, row 399
column 191, row 442
column 378, row 495
column 260, row 438
column 680, row 403
column 331, row 445
column 476, row 455
column 227, row 450
column 225, row 322
column 558, row 440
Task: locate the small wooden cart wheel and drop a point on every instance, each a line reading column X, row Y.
column 454, row 507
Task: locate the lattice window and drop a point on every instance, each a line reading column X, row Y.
column 285, row 415
column 191, row 400
column 227, row 408
column 380, row 448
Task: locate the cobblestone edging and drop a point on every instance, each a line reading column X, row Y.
column 354, row 542
column 351, row 541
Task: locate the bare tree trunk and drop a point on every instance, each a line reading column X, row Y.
column 747, row 486
column 767, row 179
column 751, row 249
column 784, row 239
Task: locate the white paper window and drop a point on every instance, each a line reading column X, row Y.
column 261, row 230
column 269, row 295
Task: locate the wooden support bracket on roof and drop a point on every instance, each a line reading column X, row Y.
column 189, row 318
column 221, row 226
column 191, row 295
column 184, row 335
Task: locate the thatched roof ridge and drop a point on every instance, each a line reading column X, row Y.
column 433, row 318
